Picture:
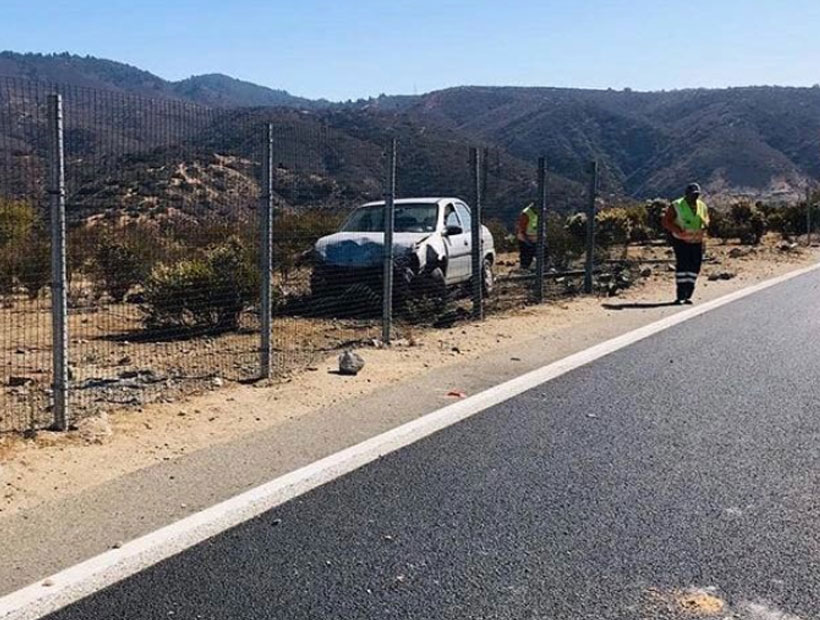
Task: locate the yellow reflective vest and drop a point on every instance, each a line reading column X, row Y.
column 532, row 222
column 691, row 220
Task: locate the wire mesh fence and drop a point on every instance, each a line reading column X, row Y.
column 322, row 301
column 172, row 208
column 162, row 247
column 25, row 325
column 164, row 262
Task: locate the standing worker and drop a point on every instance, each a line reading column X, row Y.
column 526, row 231
column 686, row 219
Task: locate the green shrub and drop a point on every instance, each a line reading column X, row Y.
column 81, row 244
column 749, row 222
column 8, row 270
column 791, row 219
column 504, row 240
column 776, row 221
column 35, row 269
column 18, row 220
column 721, row 225
column 25, row 253
column 612, row 227
column 639, row 229
column 209, row 291
column 655, row 210
column 562, row 245
column 121, row 261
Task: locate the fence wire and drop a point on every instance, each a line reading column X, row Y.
column 25, row 269
column 165, row 226
column 162, row 247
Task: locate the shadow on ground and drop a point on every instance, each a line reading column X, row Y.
column 639, row 305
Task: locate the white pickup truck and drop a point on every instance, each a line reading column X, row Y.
column 432, row 245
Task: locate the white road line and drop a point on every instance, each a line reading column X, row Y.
column 81, row 580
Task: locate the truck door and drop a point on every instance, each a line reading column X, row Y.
column 466, row 223
column 458, row 246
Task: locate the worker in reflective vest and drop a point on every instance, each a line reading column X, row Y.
column 526, row 231
column 687, row 219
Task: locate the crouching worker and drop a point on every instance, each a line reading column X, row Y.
column 687, row 219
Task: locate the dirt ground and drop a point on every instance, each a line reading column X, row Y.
column 126, row 439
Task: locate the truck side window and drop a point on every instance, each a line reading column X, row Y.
column 466, row 218
column 451, row 217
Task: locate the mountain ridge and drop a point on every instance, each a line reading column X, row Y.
column 757, row 141
column 211, row 89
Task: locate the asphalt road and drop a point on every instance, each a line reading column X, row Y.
column 678, row 476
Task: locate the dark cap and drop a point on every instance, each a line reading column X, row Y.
column 693, row 189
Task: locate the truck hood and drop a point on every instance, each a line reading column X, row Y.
column 358, row 249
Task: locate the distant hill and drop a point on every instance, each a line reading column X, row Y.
column 220, row 90
column 87, row 71
column 762, row 142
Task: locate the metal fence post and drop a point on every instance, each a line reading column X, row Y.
column 541, row 255
column 389, row 223
column 59, row 306
column 808, row 216
column 590, row 259
column 476, row 236
column 266, row 257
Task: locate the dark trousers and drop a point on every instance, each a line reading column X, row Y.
column 526, row 252
column 688, row 258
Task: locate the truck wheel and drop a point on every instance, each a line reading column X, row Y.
column 487, row 277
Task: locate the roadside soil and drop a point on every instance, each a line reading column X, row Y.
column 51, row 466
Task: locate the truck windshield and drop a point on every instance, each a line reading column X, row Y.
column 409, row 218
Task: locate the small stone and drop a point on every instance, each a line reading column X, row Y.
column 350, row 363
column 47, row 583
column 646, row 271
column 217, row 382
column 124, row 361
column 117, row 545
column 721, row 275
